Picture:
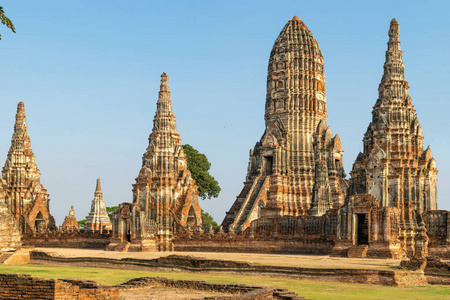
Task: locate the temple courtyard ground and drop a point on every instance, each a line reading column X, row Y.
column 311, row 289
column 305, row 261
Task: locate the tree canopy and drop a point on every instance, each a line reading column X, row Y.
column 208, row 219
column 111, row 210
column 198, row 164
column 6, row 21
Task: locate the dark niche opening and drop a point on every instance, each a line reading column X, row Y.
column 128, row 230
column 191, row 218
column 39, row 223
column 363, row 229
column 22, row 224
column 268, row 165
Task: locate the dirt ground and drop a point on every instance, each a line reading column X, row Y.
column 162, row 293
column 306, row 261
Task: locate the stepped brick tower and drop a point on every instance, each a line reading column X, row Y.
column 70, row 222
column 26, row 198
column 165, row 195
column 98, row 219
column 394, row 168
column 296, row 168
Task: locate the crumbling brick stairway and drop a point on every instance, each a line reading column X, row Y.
column 123, row 247
column 4, row 256
column 359, row 251
column 249, row 203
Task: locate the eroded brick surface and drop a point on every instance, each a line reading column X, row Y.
column 165, row 197
column 393, row 169
column 244, row 292
column 296, row 168
column 25, row 196
column 70, row 222
column 19, row 286
column 10, row 237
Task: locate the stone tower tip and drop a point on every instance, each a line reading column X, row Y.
column 21, row 107
column 394, row 25
column 297, row 21
column 164, row 82
column 98, row 187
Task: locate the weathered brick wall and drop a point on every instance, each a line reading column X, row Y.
column 437, row 223
column 239, row 243
column 437, row 271
column 9, row 228
column 18, row 286
column 60, row 239
column 293, row 235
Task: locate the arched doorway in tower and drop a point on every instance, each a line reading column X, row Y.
column 268, row 165
column 128, row 230
column 363, row 229
column 191, row 220
column 39, row 222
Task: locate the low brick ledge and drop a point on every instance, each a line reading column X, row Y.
column 20, row 286
column 193, row 264
column 240, row 291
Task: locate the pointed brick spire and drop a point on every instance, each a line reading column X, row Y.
column 164, row 187
column 394, row 69
column 391, row 166
column 98, row 188
column 20, row 154
column 22, row 175
column 20, row 139
column 164, row 134
column 164, row 121
column 98, row 216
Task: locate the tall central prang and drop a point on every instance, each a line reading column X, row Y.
column 296, row 168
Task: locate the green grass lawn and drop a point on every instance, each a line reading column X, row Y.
column 307, row 288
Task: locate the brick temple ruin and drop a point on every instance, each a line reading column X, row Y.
column 98, row 219
column 393, row 181
column 25, row 196
column 295, row 198
column 296, row 168
column 70, row 223
column 165, row 196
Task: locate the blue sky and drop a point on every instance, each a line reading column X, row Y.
column 88, row 73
